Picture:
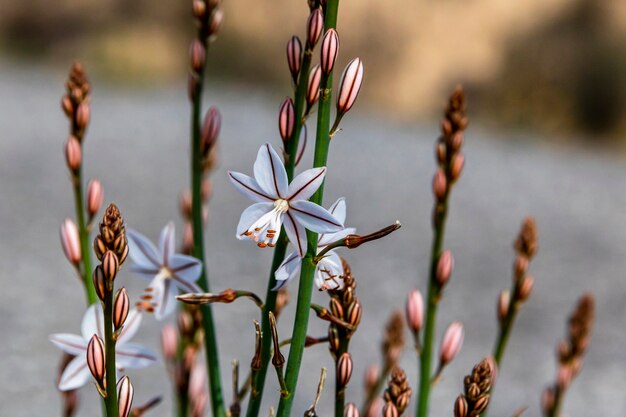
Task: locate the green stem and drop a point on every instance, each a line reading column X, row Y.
column 431, row 309
column 212, row 354
column 258, row 382
column 83, row 235
column 109, row 347
column 305, row 290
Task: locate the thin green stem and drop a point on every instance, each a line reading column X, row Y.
column 305, row 290
column 83, row 234
column 109, row 346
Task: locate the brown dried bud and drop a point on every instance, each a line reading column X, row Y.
column 210, row 130
column 526, row 243
column 481, row 404
column 256, row 362
column 110, row 266
column 286, row 119
column 197, row 54
column 350, row 85
column 95, row 197
column 121, row 308
column 278, row 360
column 83, row 114
column 460, row 407
column 313, row 87
column 393, row 341
column 390, row 410
column 456, row 168
column 445, row 266
column 99, row 282
column 344, row 369
column 329, row 50
column 294, row 57
column 73, row 154
column 440, row 184
column 398, row 391
column 314, row 27
column 125, row 394
column 503, row 305
column 95, row 359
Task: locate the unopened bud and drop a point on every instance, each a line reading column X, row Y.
column 446, row 127
column 188, row 237
column 350, row 85
column 67, row 106
column 73, row 154
column 460, row 407
column 390, row 410
column 215, row 23
column 333, row 338
column 456, row 141
column 458, row 162
column 440, row 185
column 526, row 288
column 354, row 313
column 197, row 53
column 351, row 410
column 336, row 309
column 210, row 129
column 185, row 204
column 95, row 359
column 445, row 265
column 199, row 10
column 286, row 119
column 440, row 153
column 197, row 380
column 121, row 308
column 83, row 114
column 372, row 373
column 481, row 404
column 329, row 51
column 71, row 241
column 564, row 377
column 110, row 267
column 344, row 369
column 95, row 197
column 520, row 266
column 451, row 343
column 415, row 310
column 169, row 342
column 313, row 88
column 314, row 27
column 294, row 57
column 125, row 393
column 503, row 305
column 99, row 282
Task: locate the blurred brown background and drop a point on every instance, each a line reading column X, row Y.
column 552, row 66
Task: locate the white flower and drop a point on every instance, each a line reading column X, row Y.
column 329, row 270
column 127, row 355
column 278, row 203
column 167, row 271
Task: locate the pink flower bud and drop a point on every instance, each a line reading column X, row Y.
column 372, row 373
column 415, row 311
column 211, row 129
column 526, row 288
column 313, row 88
column 169, row 341
column 351, row 410
column 99, row 282
column 70, row 241
column 125, row 393
column 294, row 57
column 440, row 184
column 440, row 153
column 199, row 404
column 329, row 51
column 110, row 266
column 445, row 265
column 458, row 162
column 185, row 204
column 199, row 9
column 344, row 369
column 197, row 380
column 83, row 114
column 314, row 27
column 564, row 377
column 95, row 359
column 95, row 197
column 121, row 307
column 197, row 54
column 206, row 189
column 73, row 154
column 451, row 343
column 67, row 106
column 376, row 408
column 350, row 85
column 216, row 22
column 286, row 119
column 503, row 305
column 188, row 238
column 457, row 141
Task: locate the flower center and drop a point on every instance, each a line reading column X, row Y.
column 266, row 229
column 281, row 206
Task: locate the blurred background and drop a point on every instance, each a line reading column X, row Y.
column 546, row 84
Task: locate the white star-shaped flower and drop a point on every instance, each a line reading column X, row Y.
column 167, row 271
column 127, row 355
column 329, row 270
column 278, row 203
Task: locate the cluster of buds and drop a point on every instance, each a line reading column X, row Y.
column 525, row 249
column 75, row 103
column 571, row 353
column 449, row 158
column 208, row 16
column 398, row 393
column 393, row 341
column 111, row 248
column 345, row 306
column 294, row 50
column 475, row 398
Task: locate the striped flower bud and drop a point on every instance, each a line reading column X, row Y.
column 451, row 343
column 313, row 88
column 445, row 265
column 95, row 359
column 125, row 393
column 286, row 119
column 314, row 27
column 415, row 310
column 73, row 154
column 333, row 338
column 329, row 51
column 83, row 114
column 197, row 55
column 458, row 162
column 390, row 410
column 353, row 315
column 215, row 23
column 294, row 57
column 344, row 369
column 350, row 85
column 526, row 288
column 336, row 309
column 121, row 307
column 110, row 266
column 99, row 282
column 351, row 410
column 71, row 241
column 210, row 129
column 460, row 407
column 440, row 184
column 481, row 405
column 503, row 305
column 169, row 342
column 95, row 197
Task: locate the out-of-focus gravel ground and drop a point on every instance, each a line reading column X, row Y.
column 137, row 145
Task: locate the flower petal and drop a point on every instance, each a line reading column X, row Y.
column 329, row 272
column 131, row 325
column 249, row 187
column 70, row 343
column 142, row 251
column 75, row 374
column 338, row 209
column 270, row 173
column 295, row 233
column 164, row 293
column 328, row 238
column 93, row 322
column 167, row 243
column 288, row 270
column 186, row 268
column 313, row 217
column 251, row 215
column 133, row 355
column 306, row 184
